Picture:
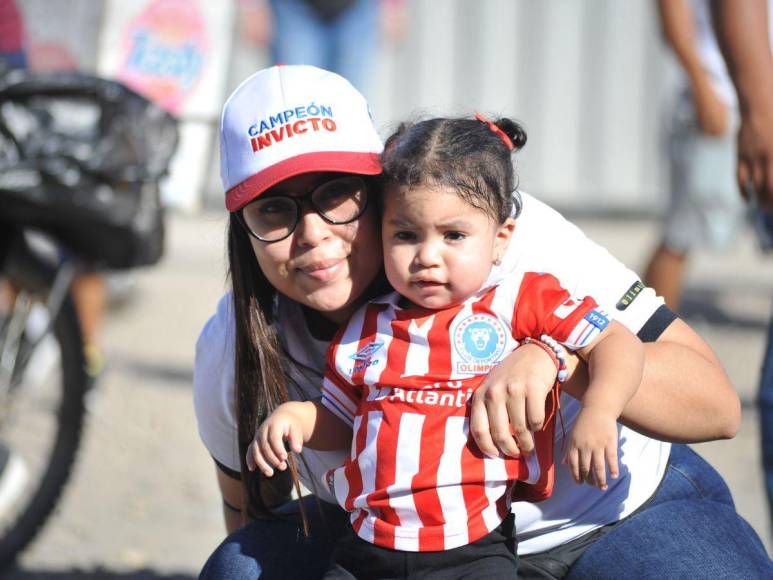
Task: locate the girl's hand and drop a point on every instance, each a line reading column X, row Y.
column 593, row 444
column 268, row 450
column 510, row 403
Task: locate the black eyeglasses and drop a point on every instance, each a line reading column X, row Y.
column 273, row 217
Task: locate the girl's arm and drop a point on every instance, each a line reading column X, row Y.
column 615, row 363
column 296, row 423
column 520, row 385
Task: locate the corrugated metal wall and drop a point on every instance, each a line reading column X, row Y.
column 585, row 77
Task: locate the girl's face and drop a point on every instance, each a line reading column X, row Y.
column 323, row 266
column 438, row 249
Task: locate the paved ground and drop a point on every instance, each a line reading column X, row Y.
column 143, row 503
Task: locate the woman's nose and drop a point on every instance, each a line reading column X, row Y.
column 311, row 228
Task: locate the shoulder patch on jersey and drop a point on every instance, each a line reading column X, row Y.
column 479, row 339
column 630, row 295
column 597, row 319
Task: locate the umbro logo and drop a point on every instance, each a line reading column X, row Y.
column 367, row 351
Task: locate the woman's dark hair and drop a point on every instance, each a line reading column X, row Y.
column 259, row 378
column 466, row 155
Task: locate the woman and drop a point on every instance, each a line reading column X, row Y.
column 305, row 134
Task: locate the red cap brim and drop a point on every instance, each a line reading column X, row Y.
column 339, row 161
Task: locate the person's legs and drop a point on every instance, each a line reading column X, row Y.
column 689, row 529
column 300, row 36
column 89, row 291
column 278, row 548
column 354, row 38
column 665, row 273
column 766, row 417
column 704, row 211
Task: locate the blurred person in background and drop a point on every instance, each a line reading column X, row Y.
column 705, row 210
column 337, row 35
column 11, row 35
column 89, row 288
column 743, row 31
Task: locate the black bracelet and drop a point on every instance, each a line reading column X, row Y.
column 233, row 508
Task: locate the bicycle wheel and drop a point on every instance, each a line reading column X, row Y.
column 42, row 389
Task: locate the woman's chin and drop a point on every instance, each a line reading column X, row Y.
column 333, row 303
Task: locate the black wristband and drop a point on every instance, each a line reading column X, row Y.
column 657, row 324
column 232, row 508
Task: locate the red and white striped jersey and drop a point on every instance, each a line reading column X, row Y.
column 403, row 378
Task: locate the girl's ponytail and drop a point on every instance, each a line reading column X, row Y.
column 514, row 131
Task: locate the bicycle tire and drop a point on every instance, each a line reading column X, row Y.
column 74, row 385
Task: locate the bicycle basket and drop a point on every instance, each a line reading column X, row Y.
column 81, row 157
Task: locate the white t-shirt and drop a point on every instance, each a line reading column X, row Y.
column 543, row 242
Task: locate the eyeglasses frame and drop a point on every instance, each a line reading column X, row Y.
column 300, row 201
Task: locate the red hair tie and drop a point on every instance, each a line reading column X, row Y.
column 497, row 130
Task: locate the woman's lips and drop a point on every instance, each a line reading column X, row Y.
column 323, row 271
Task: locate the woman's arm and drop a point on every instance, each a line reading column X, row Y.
column 231, row 492
column 685, row 395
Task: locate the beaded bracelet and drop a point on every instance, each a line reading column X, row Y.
column 556, row 352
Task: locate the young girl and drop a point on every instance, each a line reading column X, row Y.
column 402, row 370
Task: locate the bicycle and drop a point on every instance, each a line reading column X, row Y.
column 80, row 163
column 52, row 403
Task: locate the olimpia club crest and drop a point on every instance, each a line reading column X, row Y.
column 479, row 341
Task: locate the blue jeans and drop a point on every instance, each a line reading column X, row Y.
column 345, row 45
column 278, row 549
column 766, row 417
column 688, row 529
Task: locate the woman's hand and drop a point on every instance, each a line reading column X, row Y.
column 267, row 450
column 593, row 447
column 510, row 403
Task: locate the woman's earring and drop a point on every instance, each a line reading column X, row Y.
column 498, row 261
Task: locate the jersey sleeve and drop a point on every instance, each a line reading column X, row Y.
column 544, row 241
column 339, row 395
column 543, row 306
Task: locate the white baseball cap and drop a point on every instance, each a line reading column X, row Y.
column 288, row 120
